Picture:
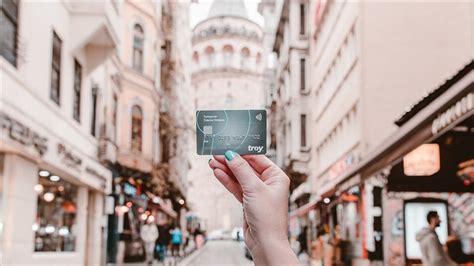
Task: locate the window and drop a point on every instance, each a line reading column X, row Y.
column 55, row 223
column 228, row 55
column 302, row 19
column 302, row 75
column 138, row 41
column 210, row 54
column 137, row 119
column 76, row 111
column 9, row 30
column 244, row 57
column 56, row 69
column 196, row 59
column 258, row 59
column 94, row 110
column 114, row 115
column 303, row 130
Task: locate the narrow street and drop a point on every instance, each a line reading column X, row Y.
column 224, row 252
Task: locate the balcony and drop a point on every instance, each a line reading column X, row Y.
column 95, row 27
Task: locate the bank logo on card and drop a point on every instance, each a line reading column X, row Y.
column 242, row 131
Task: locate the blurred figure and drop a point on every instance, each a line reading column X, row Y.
column 164, row 238
column 456, row 253
column 149, row 234
column 317, row 249
column 198, row 237
column 303, row 240
column 431, row 249
column 176, row 240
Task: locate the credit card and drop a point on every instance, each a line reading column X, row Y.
column 241, row 131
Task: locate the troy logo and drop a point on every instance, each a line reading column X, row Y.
column 255, row 148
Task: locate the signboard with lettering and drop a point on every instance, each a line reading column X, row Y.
column 22, row 134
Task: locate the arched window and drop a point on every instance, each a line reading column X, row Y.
column 244, row 57
column 138, row 43
column 137, row 125
column 258, row 59
column 211, row 56
column 228, row 54
column 196, row 59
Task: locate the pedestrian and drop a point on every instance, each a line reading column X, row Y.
column 303, row 240
column 431, row 249
column 149, row 234
column 317, row 249
column 163, row 241
column 263, row 188
column 176, row 240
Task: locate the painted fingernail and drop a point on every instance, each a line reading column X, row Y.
column 229, row 155
column 209, row 161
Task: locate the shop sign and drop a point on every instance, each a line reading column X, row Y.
column 457, row 110
column 23, row 134
column 422, row 161
column 68, row 157
column 72, row 160
column 341, row 166
column 94, row 172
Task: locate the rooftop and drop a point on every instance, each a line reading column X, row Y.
column 221, row 8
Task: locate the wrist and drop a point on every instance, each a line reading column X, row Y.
column 273, row 252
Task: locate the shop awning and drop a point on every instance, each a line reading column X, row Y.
column 418, row 128
column 169, row 211
column 303, row 210
column 300, row 191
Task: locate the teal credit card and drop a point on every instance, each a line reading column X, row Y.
column 242, row 131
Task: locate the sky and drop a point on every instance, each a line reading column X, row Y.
column 200, row 10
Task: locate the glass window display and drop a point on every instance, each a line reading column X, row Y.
column 55, row 221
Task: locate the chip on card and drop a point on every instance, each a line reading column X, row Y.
column 241, row 131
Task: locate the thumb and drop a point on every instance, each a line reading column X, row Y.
column 242, row 171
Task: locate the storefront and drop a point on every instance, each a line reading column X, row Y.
column 52, row 196
column 135, row 200
column 428, row 164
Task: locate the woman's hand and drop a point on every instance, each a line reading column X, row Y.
column 262, row 188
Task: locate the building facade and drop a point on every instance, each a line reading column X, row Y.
column 81, row 154
column 54, row 90
column 367, row 65
column 227, row 74
column 152, row 82
column 289, row 95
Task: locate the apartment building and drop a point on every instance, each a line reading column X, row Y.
column 54, row 90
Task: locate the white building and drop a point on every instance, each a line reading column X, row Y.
column 367, row 66
column 369, row 61
column 53, row 92
column 227, row 74
column 291, row 99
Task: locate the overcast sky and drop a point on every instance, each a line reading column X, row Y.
column 200, row 10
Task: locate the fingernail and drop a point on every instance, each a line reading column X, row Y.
column 229, row 155
column 209, row 161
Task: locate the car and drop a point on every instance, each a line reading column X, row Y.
column 219, row 234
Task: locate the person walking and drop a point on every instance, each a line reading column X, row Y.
column 163, row 241
column 176, row 240
column 149, row 234
column 317, row 249
column 303, row 240
column 431, row 249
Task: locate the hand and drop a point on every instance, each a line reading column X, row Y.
column 262, row 188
